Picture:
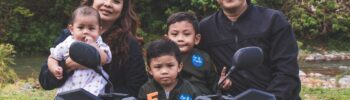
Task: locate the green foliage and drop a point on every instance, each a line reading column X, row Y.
column 275, row 4
column 315, row 22
column 154, row 16
column 322, row 22
column 23, row 11
column 338, row 45
column 32, row 25
column 7, row 75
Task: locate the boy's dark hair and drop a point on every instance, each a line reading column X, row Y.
column 85, row 11
column 86, row 2
column 183, row 16
column 162, row 47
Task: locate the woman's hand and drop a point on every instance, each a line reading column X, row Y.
column 226, row 84
column 72, row 65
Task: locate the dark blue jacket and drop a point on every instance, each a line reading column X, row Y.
column 262, row 27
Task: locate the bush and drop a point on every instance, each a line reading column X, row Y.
column 32, row 25
column 324, row 23
column 7, row 75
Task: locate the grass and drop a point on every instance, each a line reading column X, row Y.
column 29, row 90
column 25, row 90
column 325, row 94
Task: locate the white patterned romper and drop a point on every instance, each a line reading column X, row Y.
column 87, row 79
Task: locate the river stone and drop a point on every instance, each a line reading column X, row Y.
column 344, row 81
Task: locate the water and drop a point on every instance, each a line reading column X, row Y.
column 331, row 69
column 29, row 67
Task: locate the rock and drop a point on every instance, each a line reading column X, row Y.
column 344, row 81
column 332, row 57
column 301, row 73
column 347, row 57
column 27, row 86
column 315, row 75
column 319, row 57
column 313, row 82
column 328, row 56
column 343, row 67
column 309, row 58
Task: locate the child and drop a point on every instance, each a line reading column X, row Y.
column 164, row 65
column 198, row 67
column 85, row 27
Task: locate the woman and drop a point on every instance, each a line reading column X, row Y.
column 119, row 24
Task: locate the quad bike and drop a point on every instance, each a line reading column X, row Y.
column 244, row 58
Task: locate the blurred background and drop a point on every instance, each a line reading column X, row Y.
column 28, row 29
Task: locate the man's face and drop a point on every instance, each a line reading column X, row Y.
column 231, row 4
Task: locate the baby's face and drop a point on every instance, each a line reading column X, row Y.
column 164, row 69
column 85, row 27
column 183, row 34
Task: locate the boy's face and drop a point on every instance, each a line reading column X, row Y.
column 165, row 69
column 184, row 35
column 85, row 27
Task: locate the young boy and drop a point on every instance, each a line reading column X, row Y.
column 198, row 67
column 164, row 65
column 84, row 26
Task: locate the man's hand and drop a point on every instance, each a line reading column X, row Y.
column 226, row 84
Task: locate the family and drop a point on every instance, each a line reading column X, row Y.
column 189, row 61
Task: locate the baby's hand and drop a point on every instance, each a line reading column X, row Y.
column 89, row 40
column 58, row 72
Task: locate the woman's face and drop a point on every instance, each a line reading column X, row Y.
column 109, row 10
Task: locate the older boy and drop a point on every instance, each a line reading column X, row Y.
column 198, row 67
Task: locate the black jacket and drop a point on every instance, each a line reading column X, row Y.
column 127, row 78
column 183, row 90
column 262, row 27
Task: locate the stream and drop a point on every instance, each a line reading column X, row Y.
column 324, row 74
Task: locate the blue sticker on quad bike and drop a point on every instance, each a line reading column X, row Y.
column 185, row 96
column 197, row 60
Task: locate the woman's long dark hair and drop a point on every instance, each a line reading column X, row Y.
column 249, row 2
column 123, row 29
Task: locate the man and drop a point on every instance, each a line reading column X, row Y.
column 240, row 24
